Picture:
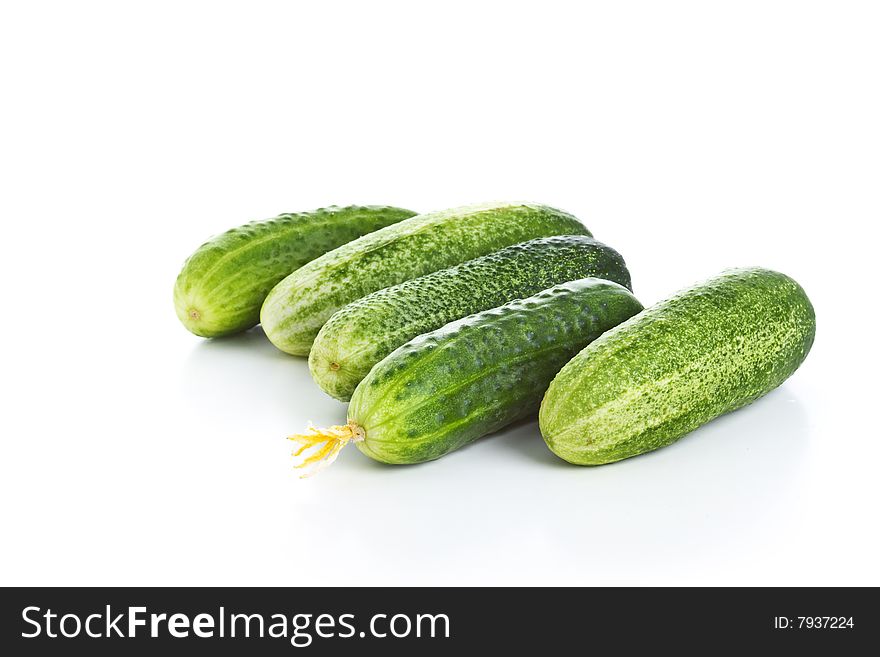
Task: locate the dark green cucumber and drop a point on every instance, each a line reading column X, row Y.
column 474, row 376
column 362, row 333
column 298, row 306
column 706, row 351
column 222, row 286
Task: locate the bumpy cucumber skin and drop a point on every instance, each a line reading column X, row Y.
column 362, row 333
column 222, row 286
column 473, row 376
column 298, row 306
column 708, row 350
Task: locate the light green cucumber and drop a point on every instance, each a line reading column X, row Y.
column 222, row 286
column 362, row 333
column 706, row 351
column 446, row 388
column 298, row 306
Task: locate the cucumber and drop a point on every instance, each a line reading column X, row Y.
column 473, row 376
column 222, row 286
column 706, row 351
column 362, row 333
column 299, row 305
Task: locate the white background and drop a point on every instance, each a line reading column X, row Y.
column 691, row 136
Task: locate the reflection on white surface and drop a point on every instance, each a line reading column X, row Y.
column 272, row 381
column 490, row 511
column 493, row 510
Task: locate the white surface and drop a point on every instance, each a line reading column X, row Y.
column 690, row 136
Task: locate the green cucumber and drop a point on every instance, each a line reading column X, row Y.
column 446, row 388
column 222, row 286
column 362, row 333
column 298, row 306
column 706, row 351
